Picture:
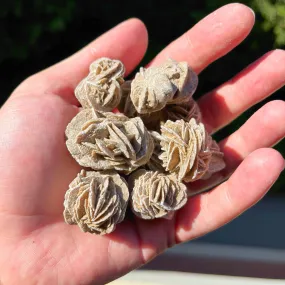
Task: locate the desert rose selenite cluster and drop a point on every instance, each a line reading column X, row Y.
column 141, row 155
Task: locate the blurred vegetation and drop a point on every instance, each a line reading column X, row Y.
column 36, row 33
column 273, row 13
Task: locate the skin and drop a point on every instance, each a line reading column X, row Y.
column 37, row 247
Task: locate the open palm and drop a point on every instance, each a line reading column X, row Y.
column 37, row 247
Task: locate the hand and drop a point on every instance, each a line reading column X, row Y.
column 37, row 247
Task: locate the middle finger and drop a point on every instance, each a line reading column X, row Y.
column 225, row 103
column 211, row 38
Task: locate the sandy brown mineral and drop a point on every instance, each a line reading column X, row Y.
column 185, row 111
column 101, row 89
column 156, row 195
column 158, row 141
column 171, row 83
column 183, row 77
column 126, row 105
column 114, row 142
column 186, row 150
column 96, row 201
column 151, row 90
column 217, row 162
column 107, row 68
column 155, row 163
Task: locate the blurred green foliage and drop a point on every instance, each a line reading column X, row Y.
column 25, row 23
column 36, row 33
column 273, row 13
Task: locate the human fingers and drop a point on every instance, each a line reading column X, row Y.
column 249, row 183
column 265, row 128
column 262, row 78
column 211, row 38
